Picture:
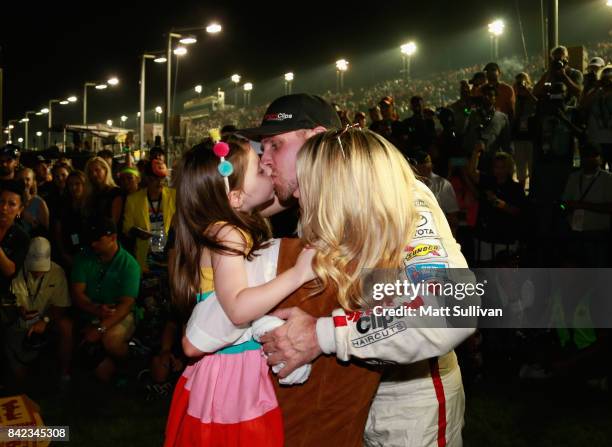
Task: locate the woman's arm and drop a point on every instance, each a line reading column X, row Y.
column 472, row 169
column 7, row 267
column 242, row 303
column 43, row 214
column 116, row 207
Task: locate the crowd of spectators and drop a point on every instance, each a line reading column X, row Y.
column 521, row 169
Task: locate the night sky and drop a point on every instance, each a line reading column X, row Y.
column 50, row 49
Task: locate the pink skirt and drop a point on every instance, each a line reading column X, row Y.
column 225, row 400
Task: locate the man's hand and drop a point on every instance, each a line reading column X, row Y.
column 37, row 328
column 294, row 343
column 91, row 334
column 106, row 311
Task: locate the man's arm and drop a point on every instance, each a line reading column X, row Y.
column 82, row 301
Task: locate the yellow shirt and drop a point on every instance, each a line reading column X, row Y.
column 207, row 280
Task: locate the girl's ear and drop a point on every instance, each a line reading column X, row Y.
column 236, row 199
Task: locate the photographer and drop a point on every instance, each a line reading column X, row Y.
column 487, row 127
column 597, row 109
column 559, row 71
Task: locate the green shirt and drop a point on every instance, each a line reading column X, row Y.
column 106, row 283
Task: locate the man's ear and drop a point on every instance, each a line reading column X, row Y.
column 236, row 199
column 317, row 130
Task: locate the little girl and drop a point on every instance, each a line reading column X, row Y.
column 226, row 398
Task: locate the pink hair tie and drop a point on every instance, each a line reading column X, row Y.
column 225, row 168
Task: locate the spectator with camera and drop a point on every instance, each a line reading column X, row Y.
column 559, row 72
column 487, row 128
column 104, row 284
column 597, row 109
column 522, row 126
column 504, row 94
column 591, row 77
column 41, row 293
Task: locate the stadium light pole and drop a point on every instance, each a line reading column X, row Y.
column 236, row 80
column 26, row 122
column 248, row 87
column 341, row 67
column 288, row 82
column 159, row 59
column 213, row 28
column 70, row 99
column 407, row 50
column 496, row 29
column 99, row 86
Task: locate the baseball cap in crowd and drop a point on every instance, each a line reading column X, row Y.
column 129, row 170
column 294, row 112
column 10, row 151
column 96, row 228
column 490, row 67
column 41, row 159
column 156, row 168
column 38, row 258
column 478, row 75
column 597, row 62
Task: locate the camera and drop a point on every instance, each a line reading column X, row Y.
column 558, row 65
column 555, row 91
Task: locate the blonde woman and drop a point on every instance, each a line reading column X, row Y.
column 370, row 211
column 35, row 216
column 101, row 187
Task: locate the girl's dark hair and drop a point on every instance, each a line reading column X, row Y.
column 17, row 187
column 201, row 201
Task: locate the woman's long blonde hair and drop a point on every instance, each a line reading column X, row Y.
column 358, row 197
column 108, row 180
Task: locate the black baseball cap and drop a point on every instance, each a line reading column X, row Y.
column 10, row 150
column 478, row 75
column 491, row 66
column 96, row 228
column 294, row 112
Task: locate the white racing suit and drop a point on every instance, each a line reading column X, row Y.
column 421, row 401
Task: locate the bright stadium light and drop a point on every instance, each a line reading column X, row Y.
column 39, row 133
column 64, row 102
column 497, row 27
column 160, row 60
column 198, row 89
column 342, row 65
column 289, row 77
column 109, row 123
column 72, row 99
column 248, row 87
column 20, row 140
column 213, row 28
column 190, row 40
column 101, row 86
column 180, row 51
column 44, row 111
column 236, row 79
column 158, row 109
column 408, row 48
column 113, row 81
column 124, row 118
column 609, row 3
column 25, row 120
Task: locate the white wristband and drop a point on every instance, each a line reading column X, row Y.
column 326, row 335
